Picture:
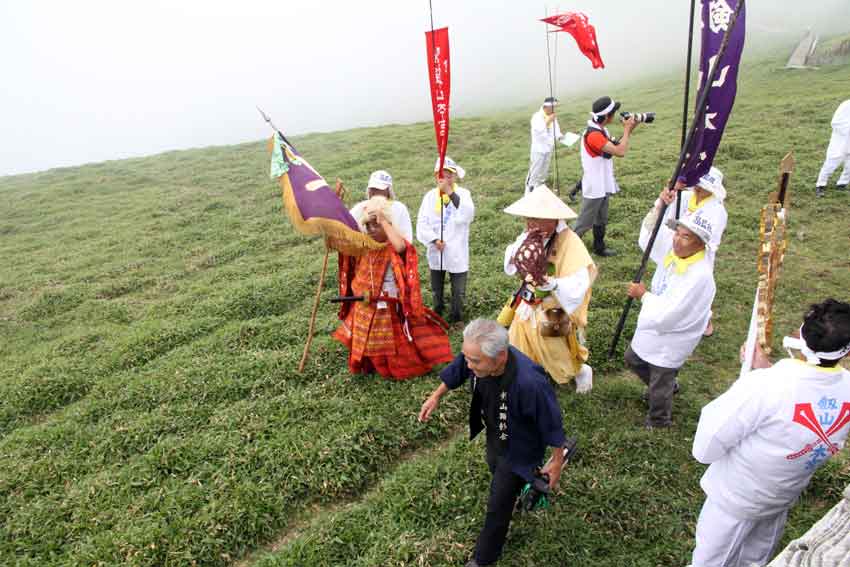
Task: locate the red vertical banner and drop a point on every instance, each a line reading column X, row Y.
column 437, row 43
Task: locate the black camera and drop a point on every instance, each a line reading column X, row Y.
column 648, row 117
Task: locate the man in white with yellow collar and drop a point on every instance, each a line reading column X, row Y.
column 675, row 312
column 447, row 241
column 766, row 436
column 707, row 197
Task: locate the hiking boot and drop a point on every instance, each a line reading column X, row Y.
column 819, row 191
column 575, row 191
column 645, row 396
column 599, row 247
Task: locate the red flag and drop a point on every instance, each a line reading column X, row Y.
column 437, row 42
column 577, row 25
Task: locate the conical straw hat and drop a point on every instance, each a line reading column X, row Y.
column 541, row 204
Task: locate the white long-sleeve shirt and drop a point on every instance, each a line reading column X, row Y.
column 570, row 290
column 542, row 141
column 765, row 437
column 456, row 221
column 401, row 218
column 676, row 309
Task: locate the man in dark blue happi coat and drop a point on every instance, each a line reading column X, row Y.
column 513, row 400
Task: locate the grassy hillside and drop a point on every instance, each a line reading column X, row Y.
column 152, row 313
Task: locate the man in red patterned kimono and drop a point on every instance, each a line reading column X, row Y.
column 389, row 331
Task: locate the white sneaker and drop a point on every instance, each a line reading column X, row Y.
column 584, row 379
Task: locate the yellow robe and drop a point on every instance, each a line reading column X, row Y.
column 562, row 357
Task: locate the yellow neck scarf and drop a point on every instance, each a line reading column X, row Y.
column 693, row 204
column 442, row 198
column 681, row 265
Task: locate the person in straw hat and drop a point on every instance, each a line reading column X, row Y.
column 385, row 325
column 558, row 273
column 675, row 312
column 707, row 198
column 447, row 241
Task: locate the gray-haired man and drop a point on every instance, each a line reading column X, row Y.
column 513, row 400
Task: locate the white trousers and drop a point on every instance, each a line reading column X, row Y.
column 723, row 540
column 538, row 170
column 837, row 153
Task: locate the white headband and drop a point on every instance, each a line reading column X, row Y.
column 606, row 110
column 813, row 357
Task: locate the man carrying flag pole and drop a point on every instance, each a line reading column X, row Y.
column 722, row 45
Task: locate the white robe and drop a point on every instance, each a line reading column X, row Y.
column 676, row 309
column 542, row 137
column 760, row 457
column 838, row 152
column 456, row 221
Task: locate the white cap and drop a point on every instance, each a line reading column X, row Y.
column 450, row 164
column 696, row 223
column 713, row 183
column 380, row 180
column 541, row 203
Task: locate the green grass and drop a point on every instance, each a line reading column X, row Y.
column 153, row 311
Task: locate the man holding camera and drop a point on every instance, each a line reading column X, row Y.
column 513, row 400
column 597, row 182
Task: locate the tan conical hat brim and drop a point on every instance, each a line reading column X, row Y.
column 541, row 204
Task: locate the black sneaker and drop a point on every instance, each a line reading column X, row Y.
column 819, row 191
column 841, row 187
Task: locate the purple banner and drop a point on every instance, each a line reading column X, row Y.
column 314, row 198
column 716, row 17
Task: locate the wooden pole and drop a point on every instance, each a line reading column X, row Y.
column 340, row 191
column 315, row 310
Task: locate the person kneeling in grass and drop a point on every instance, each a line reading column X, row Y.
column 766, row 436
column 514, row 402
column 389, row 330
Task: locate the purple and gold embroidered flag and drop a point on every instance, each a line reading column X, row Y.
column 716, row 17
column 312, row 206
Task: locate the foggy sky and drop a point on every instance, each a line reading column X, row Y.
column 94, row 80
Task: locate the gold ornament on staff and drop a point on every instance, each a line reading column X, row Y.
column 773, row 241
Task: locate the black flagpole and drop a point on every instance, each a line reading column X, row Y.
column 699, row 115
column 687, row 95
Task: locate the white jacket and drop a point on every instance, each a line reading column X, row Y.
column 765, row 437
column 542, row 141
column 401, row 218
column 456, row 221
column 676, row 309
